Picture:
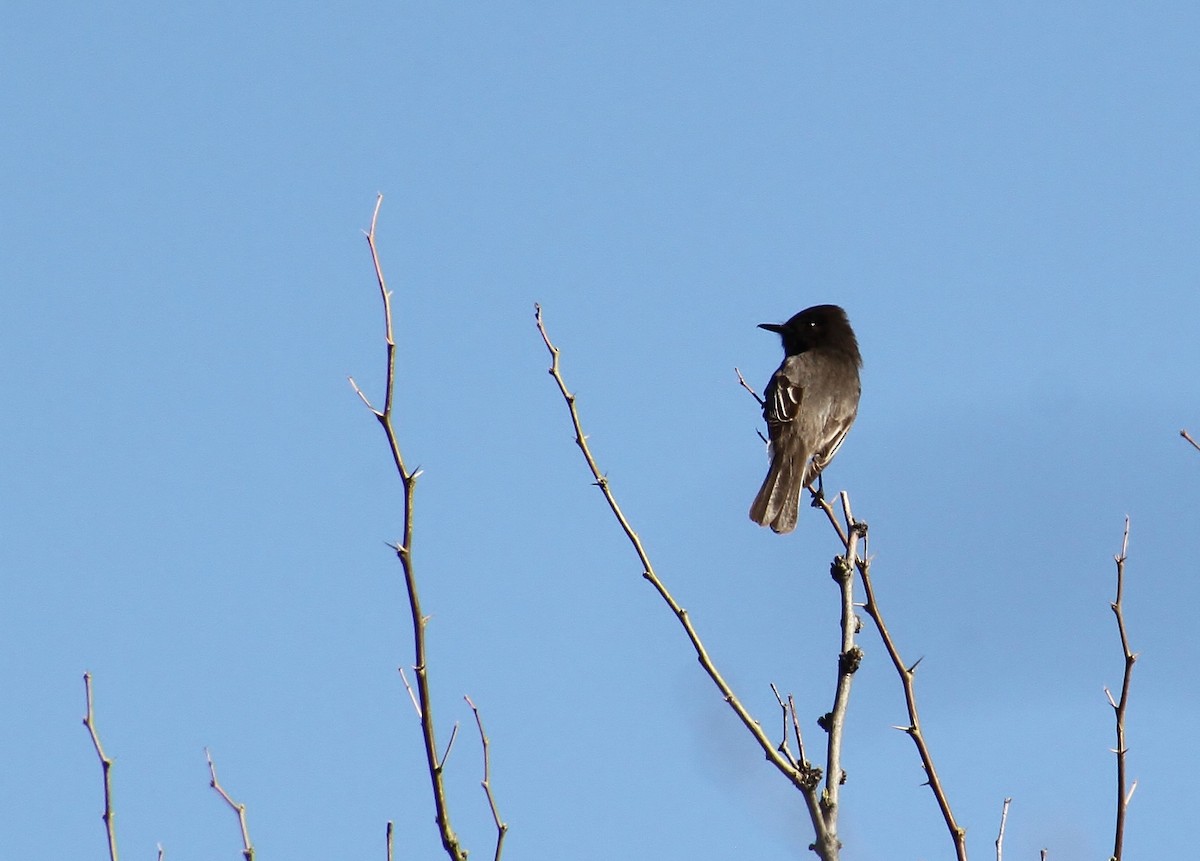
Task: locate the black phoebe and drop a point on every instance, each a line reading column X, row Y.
column 809, row 406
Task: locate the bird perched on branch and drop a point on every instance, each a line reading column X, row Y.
column 809, row 406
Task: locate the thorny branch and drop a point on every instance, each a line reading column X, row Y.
column 403, row 551
column 89, row 721
column 239, row 809
column 1123, row 794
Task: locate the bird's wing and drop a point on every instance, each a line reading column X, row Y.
column 781, row 400
column 793, row 400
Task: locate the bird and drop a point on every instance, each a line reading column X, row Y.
column 809, row 405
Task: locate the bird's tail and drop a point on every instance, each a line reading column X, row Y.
column 778, row 502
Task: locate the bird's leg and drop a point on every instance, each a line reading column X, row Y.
column 818, row 495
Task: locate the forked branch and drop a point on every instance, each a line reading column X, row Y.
column 906, row 672
column 239, row 809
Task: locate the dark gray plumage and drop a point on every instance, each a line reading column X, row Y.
column 809, row 405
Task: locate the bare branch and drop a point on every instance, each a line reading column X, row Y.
column 805, row 765
column 1000, row 836
column 1123, row 794
column 403, row 550
column 486, row 783
column 390, row 828
column 826, row 845
column 1188, row 437
column 906, row 674
column 386, row 296
column 89, row 721
column 783, row 745
column 748, row 387
column 239, row 809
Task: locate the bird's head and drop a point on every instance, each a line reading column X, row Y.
column 818, row 326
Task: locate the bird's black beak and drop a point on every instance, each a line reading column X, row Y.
column 777, row 328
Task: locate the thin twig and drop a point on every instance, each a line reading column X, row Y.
column 822, row 503
column 1188, row 437
column 1123, row 794
column 800, row 760
column 906, row 673
column 826, row 845
column 486, row 783
column 411, row 693
column 748, row 387
column 783, row 745
column 403, row 550
column 449, row 746
column 390, row 828
column 1000, row 836
column 239, row 809
column 804, row 763
column 89, row 721
column 161, row 853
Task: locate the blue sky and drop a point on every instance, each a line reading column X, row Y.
column 1005, row 200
